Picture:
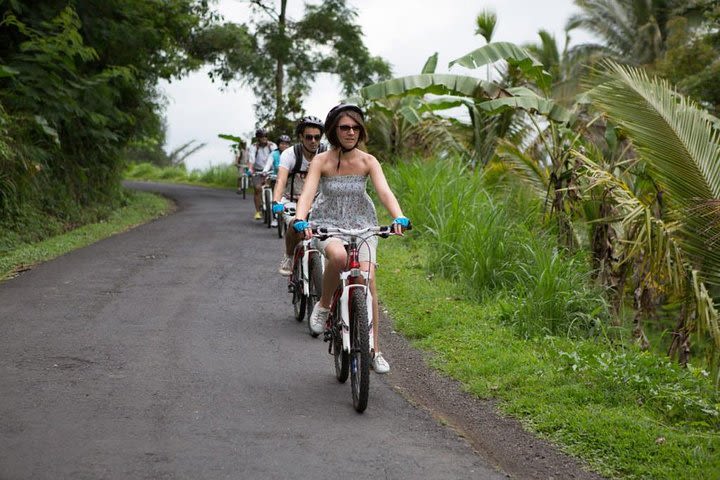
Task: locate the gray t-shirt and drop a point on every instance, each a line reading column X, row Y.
column 297, row 181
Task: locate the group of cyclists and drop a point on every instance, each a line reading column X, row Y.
column 330, row 181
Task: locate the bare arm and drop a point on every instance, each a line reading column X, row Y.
column 310, row 188
column 386, row 196
column 280, row 183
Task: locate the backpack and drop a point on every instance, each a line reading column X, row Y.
column 298, row 151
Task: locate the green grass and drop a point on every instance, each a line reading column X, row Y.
column 21, row 253
column 492, row 238
column 629, row 414
column 220, row 176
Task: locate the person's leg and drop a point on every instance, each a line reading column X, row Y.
column 292, row 238
column 335, row 260
column 257, row 192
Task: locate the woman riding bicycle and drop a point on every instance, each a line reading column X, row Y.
column 341, row 174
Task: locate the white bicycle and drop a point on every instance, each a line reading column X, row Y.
column 350, row 324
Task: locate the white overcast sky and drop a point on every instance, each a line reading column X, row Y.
column 403, row 32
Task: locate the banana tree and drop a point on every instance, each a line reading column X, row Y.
column 451, row 90
column 405, row 125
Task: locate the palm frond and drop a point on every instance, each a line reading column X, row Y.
column 677, row 141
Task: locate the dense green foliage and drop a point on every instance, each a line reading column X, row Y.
column 627, row 172
column 77, row 88
column 629, row 414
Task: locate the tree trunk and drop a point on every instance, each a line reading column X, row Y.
column 680, row 345
column 280, row 70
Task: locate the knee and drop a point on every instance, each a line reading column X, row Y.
column 337, row 260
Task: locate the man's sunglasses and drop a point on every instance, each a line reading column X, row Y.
column 347, row 128
column 310, row 138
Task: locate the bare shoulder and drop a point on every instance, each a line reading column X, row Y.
column 322, row 160
column 323, row 156
column 370, row 161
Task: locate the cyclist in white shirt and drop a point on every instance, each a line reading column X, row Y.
column 294, row 164
column 257, row 156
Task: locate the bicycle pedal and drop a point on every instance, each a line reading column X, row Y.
column 327, row 336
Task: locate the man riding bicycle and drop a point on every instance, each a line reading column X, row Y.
column 294, row 164
column 258, row 154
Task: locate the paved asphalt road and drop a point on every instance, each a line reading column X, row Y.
column 170, row 352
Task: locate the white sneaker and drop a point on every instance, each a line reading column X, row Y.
column 318, row 319
column 273, row 223
column 285, row 266
column 379, row 364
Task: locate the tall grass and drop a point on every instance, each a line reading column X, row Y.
column 487, row 235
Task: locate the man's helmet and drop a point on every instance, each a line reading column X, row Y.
column 260, row 132
column 338, row 109
column 309, row 121
column 284, row 138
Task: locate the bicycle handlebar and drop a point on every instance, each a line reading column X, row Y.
column 383, row 231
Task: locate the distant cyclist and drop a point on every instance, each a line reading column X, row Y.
column 241, row 161
column 258, row 154
column 341, row 174
column 273, row 163
column 294, row 164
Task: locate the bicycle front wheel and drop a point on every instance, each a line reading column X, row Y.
column 299, row 300
column 359, row 349
column 342, row 358
column 244, row 184
column 280, row 225
column 268, row 206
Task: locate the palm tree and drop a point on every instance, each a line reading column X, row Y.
column 632, row 31
column 679, row 147
column 566, row 67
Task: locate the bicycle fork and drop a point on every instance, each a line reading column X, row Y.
column 306, row 266
column 350, row 279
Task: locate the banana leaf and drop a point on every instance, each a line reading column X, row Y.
column 511, row 53
column 530, row 103
column 430, row 64
column 437, row 84
column 232, row 138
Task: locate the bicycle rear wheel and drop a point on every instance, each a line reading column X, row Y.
column 359, row 349
column 315, row 277
column 267, row 193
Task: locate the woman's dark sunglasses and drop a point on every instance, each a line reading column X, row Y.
column 347, row 128
column 309, row 137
